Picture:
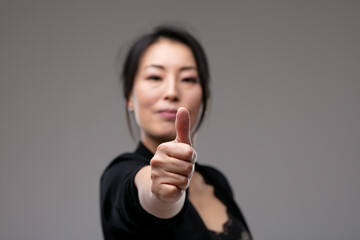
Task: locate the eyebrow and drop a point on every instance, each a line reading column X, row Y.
column 188, row 68
column 185, row 68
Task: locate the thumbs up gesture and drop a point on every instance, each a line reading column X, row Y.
column 173, row 163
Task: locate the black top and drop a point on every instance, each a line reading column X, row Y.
column 122, row 216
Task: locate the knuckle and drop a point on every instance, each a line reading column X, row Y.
column 194, row 157
column 189, row 169
column 189, row 151
column 168, row 193
column 162, row 147
column 155, row 162
column 154, row 175
column 172, row 192
column 183, row 183
column 154, row 188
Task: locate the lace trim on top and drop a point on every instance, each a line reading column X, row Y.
column 232, row 230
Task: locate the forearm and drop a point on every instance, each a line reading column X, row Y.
column 150, row 202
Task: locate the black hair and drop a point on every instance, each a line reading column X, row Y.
column 140, row 45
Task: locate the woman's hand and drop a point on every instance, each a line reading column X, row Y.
column 173, row 163
column 161, row 186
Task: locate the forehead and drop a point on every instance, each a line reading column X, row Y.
column 168, row 53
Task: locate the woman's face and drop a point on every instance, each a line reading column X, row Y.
column 166, row 79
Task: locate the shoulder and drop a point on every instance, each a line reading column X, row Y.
column 127, row 158
column 123, row 165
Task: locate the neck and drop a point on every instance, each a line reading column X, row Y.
column 152, row 143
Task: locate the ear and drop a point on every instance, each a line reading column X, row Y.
column 130, row 103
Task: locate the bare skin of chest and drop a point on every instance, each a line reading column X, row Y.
column 211, row 210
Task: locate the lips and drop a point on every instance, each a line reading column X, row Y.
column 168, row 113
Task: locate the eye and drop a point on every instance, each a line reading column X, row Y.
column 154, row 78
column 190, row 80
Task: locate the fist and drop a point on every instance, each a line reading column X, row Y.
column 173, row 163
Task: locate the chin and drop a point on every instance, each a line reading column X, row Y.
column 166, row 136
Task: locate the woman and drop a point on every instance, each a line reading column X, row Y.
column 159, row 191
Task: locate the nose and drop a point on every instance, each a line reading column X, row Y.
column 171, row 92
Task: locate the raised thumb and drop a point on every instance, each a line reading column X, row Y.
column 182, row 124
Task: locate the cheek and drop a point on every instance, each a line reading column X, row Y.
column 143, row 97
column 144, row 100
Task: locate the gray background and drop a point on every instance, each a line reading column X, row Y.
column 283, row 124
